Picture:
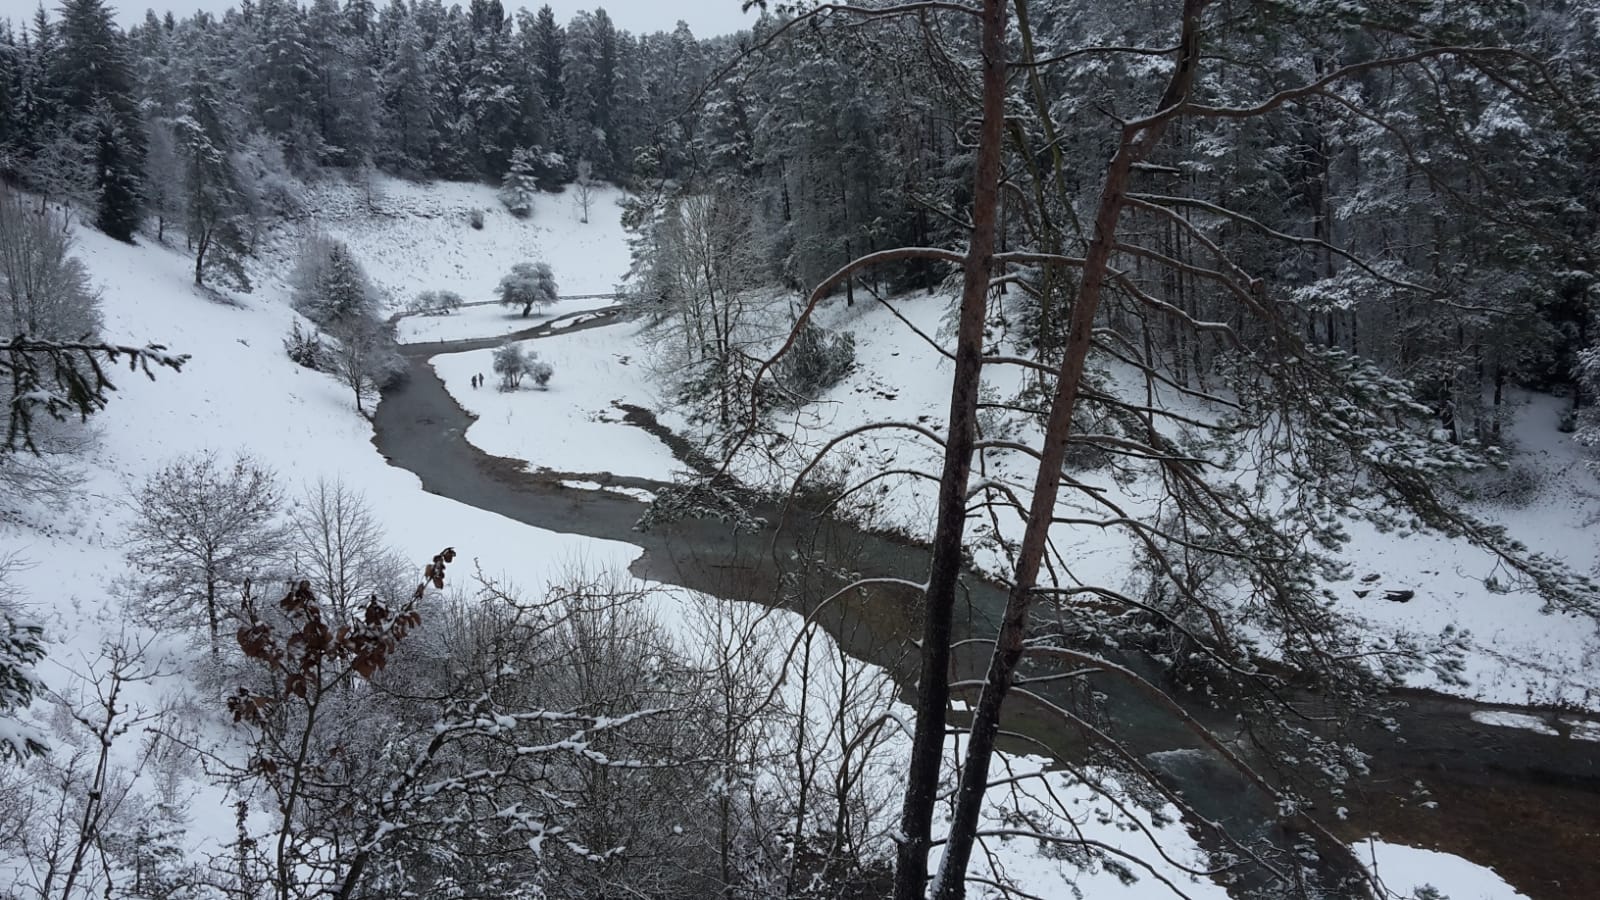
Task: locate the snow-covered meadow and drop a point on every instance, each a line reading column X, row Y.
column 240, row 393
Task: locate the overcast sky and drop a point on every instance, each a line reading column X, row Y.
column 707, row 18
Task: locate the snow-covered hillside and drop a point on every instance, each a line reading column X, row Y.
column 419, row 236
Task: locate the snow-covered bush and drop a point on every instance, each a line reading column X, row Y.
column 527, row 285
column 44, row 289
column 540, row 371
column 513, row 362
column 434, row 303
column 475, row 219
column 818, row 360
column 306, row 349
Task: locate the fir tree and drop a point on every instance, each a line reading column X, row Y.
column 407, row 125
column 117, row 164
column 215, row 204
column 91, row 65
column 548, row 41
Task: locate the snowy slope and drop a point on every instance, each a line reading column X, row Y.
column 238, row 392
column 415, row 237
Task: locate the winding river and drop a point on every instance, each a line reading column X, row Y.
column 1525, row 803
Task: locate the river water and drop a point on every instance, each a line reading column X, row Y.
column 1524, row 803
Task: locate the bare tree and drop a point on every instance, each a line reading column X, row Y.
column 334, row 541
column 51, row 360
column 518, row 746
column 44, row 290
column 583, row 188
column 81, row 794
column 365, row 358
column 202, row 528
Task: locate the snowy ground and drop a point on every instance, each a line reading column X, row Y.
column 490, row 320
column 573, row 425
column 240, row 393
column 415, row 237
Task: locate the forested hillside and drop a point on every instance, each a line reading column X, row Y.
column 1226, row 371
column 1436, row 218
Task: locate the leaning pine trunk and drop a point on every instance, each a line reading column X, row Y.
column 933, row 689
column 1138, row 138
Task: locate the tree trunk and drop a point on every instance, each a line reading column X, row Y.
column 200, row 257
column 933, row 689
column 1138, row 139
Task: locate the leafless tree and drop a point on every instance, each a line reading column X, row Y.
column 202, row 528
column 583, row 188
column 334, row 541
column 364, row 358
column 80, row 794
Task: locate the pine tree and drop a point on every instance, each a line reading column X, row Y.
column 117, row 200
column 342, row 89
column 92, row 87
column 10, row 76
column 521, row 183
column 406, row 118
column 589, row 84
column 91, row 65
column 215, row 205
column 281, row 80
column 491, row 96
column 548, row 51
column 332, row 290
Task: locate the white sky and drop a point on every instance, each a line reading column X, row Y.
column 707, row 18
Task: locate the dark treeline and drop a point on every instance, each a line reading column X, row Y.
column 1436, row 218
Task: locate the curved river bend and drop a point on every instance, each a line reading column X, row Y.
column 1524, row 803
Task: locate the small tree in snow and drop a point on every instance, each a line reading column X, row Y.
column 366, row 358
column 584, row 187
column 306, row 348
column 330, row 287
column 335, row 541
column 45, row 291
column 521, row 183
column 529, row 284
column 512, row 362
